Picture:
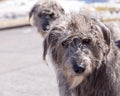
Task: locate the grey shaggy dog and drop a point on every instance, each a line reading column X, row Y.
column 86, row 60
column 43, row 13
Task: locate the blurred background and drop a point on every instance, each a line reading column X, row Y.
column 22, row 70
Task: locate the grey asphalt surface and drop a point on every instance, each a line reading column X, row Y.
column 22, row 70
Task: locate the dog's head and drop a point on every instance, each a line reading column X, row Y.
column 44, row 13
column 78, row 46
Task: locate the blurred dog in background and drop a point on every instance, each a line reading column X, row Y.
column 44, row 13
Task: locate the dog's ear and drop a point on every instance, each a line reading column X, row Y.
column 49, row 42
column 46, row 45
column 106, row 33
column 33, row 18
column 107, row 36
column 33, row 10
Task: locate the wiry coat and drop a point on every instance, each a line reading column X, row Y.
column 78, row 39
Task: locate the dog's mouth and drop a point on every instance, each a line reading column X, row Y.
column 78, row 75
column 77, row 79
column 74, row 79
column 45, row 24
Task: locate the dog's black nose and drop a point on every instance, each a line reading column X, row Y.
column 79, row 68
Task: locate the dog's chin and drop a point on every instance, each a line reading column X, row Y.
column 75, row 81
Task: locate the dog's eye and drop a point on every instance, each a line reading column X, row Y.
column 76, row 40
column 43, row 15
column 65, row 44
column 47, row 16
column 86, row 41
column 39, row 15
column 52, row 15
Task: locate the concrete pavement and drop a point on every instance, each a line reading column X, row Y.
column 22, row 70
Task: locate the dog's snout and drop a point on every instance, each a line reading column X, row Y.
column 79, row 68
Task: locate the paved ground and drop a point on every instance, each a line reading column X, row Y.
column 22, row 71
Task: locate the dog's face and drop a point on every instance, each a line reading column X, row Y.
column 80, row 57
column 79, row 48
column 44, row 13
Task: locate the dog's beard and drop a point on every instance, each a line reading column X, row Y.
column 75, row 81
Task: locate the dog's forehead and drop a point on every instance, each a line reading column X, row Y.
column 76, row 24
column 79, row 24
column 45, row 5
column 83, row 25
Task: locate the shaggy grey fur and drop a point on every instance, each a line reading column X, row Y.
column 86, row 60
